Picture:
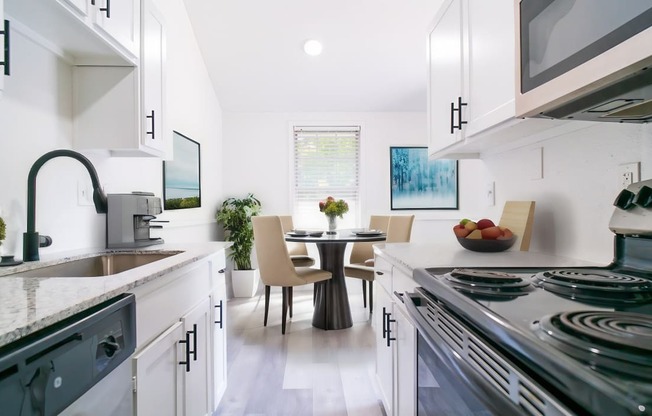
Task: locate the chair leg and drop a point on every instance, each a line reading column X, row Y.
column 314, row 293
column 285, row 309
column 364, row 293
column 267, row 290
column 290, row 297
column 371, row 297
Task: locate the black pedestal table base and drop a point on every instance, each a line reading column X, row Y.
column 332, row 309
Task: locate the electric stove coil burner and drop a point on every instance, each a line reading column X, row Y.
column 596, row 286
column 488, row 283
column 618, row 342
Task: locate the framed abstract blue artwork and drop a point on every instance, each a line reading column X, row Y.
column 419, row 183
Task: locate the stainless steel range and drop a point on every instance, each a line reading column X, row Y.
column 542, row 342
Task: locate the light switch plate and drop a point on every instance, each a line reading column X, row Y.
column 490, row 194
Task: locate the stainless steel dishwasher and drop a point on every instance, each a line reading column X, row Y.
column 77, row 366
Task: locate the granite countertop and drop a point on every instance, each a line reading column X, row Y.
column 419, row 255
column 28, row 304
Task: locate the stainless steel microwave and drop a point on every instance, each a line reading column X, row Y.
column 584, row 59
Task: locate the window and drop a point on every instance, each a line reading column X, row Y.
column 326, row 163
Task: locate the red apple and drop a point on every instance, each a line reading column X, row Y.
column 491, row 233
column 507, row 234
column 460, row 231
column 485, row 223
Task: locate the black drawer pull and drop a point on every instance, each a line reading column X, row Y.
column 107, row 9
column 5, row 62
column 220, row 320
column 187, row 361
column 153, row 132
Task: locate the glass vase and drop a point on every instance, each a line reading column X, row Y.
column 332, row 223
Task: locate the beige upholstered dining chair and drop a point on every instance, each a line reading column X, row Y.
column 518, row 216
column 276, row 268
column 398, row 228
column 298, row 251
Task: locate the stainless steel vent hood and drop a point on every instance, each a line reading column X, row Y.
column 628, row 100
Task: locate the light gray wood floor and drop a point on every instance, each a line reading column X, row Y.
column 307, row 371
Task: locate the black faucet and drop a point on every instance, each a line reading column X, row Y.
column 31, row 237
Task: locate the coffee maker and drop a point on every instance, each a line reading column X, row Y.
column 128, row 220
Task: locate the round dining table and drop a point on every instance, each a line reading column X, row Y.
column 332, row 310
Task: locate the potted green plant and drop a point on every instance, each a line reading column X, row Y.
column 235, row 217
column 3, row 232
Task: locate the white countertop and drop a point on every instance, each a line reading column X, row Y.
column 413, row 256
column 28, row 304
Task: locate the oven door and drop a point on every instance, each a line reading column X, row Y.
column 458, row 372
column 446, row 384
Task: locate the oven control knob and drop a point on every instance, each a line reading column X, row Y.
column 644, row 197
column 625, row 199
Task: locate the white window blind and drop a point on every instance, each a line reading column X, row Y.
column 326, row 163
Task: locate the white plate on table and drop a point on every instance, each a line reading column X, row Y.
column 368, row 233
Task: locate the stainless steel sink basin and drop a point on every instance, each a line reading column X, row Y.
column 100, row 265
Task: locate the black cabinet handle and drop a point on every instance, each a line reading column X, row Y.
column 187, row 342
column 221, row 271
column 153, row 117
column 107, row 9
column 194, row 342
column 379, row 273
column 92, row 2
column 5, row 62
column 458, row 126
column 385, row 314
column 389, row 329
column 220, row 320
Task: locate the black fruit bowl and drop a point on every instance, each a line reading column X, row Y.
column 486, row 246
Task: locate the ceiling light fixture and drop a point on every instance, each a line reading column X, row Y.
column 312, row 47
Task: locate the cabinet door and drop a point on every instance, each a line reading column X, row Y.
column 120, row 20
column 405, row 362
column 2, row 49
column 152, row 63
column 384, row 354
column 197, row 322
column 158, row 375
column 219, row 340
column 445, row 57
column 491, row 64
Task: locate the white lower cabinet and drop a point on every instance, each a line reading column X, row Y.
column 395, row 342
column 219, row 341
column 158, row 376
column 179, row 365
column 197, row 386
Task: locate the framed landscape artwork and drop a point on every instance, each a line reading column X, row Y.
column 419, row 183
column 181, row 176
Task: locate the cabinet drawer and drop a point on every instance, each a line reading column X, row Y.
column 383, row 273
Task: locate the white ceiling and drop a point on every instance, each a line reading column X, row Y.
column 374, row 56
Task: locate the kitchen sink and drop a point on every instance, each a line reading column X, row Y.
column 100, row 265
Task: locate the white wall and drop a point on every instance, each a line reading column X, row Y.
column 574, row 197
column 262, row 143
column 36, row 117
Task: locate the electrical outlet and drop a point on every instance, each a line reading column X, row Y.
column 629, row 173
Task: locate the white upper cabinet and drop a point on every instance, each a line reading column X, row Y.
column 472, row 111
column 83, row 32
column 122, row 109
column 119, row 20
column 445, row 70
column 152, row 71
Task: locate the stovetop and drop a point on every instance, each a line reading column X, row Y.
column 579, row 329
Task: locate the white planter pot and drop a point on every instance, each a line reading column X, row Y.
column 245, row 282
